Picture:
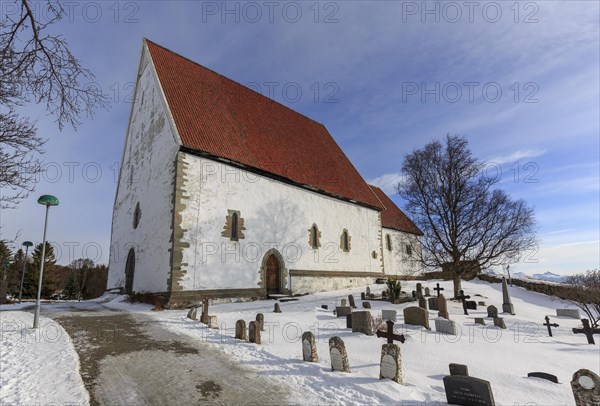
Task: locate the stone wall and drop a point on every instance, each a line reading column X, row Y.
column 561, row 291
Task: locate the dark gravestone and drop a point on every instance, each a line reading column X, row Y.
column 479, row 320
column 414, row 295
column 427, row 292
column 276, row 308
column 586, row 388
column 362, row 296
column 499, row 322
column 458, row 370
column 587, row 330
column 343, row 311
column 204, row 317
column 492, row 311
column 324, row 307
column 260, row 319
column 351, row 301
column 549, row 325
column 480, row 303
column 309, row 347
column 423, row 303
column 240, row 330
column 468, row 391
column 338, row 355
column 368, row 290
column 471, row 305
column 543, row 375
column 254, row 333
column 419, row 290
column 366, row 305
column 349, row 320
column 433, row 303
column 463, row 298
column 362, row 322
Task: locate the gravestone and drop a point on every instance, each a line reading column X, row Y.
column 471, row 305
column 366, row 305
column 389, row 315
column 343, row 311
column 458, row 370
column 586, row 388
column 193, row 313
column 362, row 322
column 423, row 303
column 368, row 290
column 384, row 294
column 362, row 296
column 349, row 320
column 416, row 316
column 344, row 303
column 240, row 330
column 507, row 306
column 443, row 306
column 438, row 289
column 390, row 366
column 427, row 292
column 445, row 326
column 309, row 347
column 468, row 391
column 480, row 303
column 260, row 319
column 414, row 295
column 276, row 308
column 351, row 301
column 499, row 322
column 338, row 355
column 549, row 325
column 492, row 311
column 212, row 322
column 419, row 290
column 254, row 333
column 463, row 299
column 324, row 307
column 204, row 317
column 433, row 303
column 587, row 330
column 543, row 375
column 479, row 320
column 573, row 313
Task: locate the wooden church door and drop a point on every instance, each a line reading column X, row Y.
column 272, row 275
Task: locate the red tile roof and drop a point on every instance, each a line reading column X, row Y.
column 392, row 216
column 219, row 117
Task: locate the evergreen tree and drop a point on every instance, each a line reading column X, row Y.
column 71, row 290
column 5, row 268
column 14, row 281
column 33, row 272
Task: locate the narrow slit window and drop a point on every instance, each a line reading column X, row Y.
column 388, row 242
column 234, row 226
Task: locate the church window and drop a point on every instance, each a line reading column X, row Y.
column 408, row 250
column 234, row 226
column 137, row 215
column 314, row 238
column 374, row 254
column 388, row 242
column 345, row 241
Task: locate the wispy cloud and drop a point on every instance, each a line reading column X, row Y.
column 387, row 182
column 517, row 156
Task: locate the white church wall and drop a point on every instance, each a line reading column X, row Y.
column 276, row 215
column 397, row 261
column 147, row 176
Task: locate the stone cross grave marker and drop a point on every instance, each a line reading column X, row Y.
column 193, row 313
column 362, row 322
column 458, row 370
column 338, row 355
column 254, row 332
column 260, row 319
column 573, row 313
column 507, row 306
column 343, row 311
column 389, row 315
column 389, row 334
column 351, row 301
column 433, row 303
column 276, row 308
column 416, row 316
column 419, row 290
column 423, row 303
column 586, row 388
column 309, row 347
column 547, row 324
column 468, row 391
column 240, row 330
column 443, row 306
column 492, row 311
column 587, row 330
column 438, row 289
column 543, row 375
column 427, row 292
column 391, row 364
column 204, row 317
column 445, row 326
column 463, row 298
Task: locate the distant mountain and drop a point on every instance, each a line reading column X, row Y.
column 549, row 276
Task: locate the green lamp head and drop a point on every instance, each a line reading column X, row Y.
column 48, row 200
column 27, row 244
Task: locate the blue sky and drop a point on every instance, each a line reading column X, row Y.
column 521, row 82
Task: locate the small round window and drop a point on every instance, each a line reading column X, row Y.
column 137, row 215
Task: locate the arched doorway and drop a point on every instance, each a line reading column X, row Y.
column 273, row 275
column 129, row 271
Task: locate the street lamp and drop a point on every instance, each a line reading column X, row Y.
column 26, row 244
column 45, row 200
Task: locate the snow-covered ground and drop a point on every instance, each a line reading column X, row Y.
column 503, row 357
column 37, row 366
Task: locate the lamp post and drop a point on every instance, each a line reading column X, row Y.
column 26, row 244
column 45, row 200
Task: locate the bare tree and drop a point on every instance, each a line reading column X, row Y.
column 38, row 65
column 585, row 294
column 469, row 224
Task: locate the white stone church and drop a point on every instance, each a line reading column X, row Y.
column 226, row 193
